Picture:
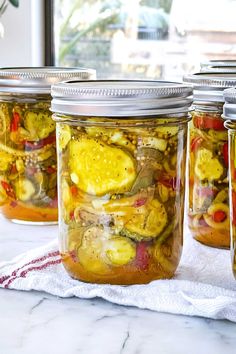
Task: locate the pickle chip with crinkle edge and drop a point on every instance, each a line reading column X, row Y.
column 91, row 249
column 97, row 168
column 39, row 124
column 120, row 251
column 207, row 166
column 148, row 224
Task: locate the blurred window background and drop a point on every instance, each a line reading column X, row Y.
column 153, row 39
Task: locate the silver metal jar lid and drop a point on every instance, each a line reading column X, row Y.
column 209, row 87
column 211, row 64
column 39, row 79
column 229, row 108
column 120, row 98
column 219, row 69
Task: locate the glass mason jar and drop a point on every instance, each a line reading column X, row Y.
column 28, row 166
column 121, row 157
column 208, row 206
column 229, row 113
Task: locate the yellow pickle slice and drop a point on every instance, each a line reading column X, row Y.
column 97, row 168
column 207, row 166
column 90, row 252
column 149, row 223
column 120, row 251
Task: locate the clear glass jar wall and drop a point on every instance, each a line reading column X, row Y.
column 121, row 194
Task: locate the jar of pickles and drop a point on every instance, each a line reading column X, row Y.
column 121, row 157
column 229, row 113
column 28, row 166
column 208, row 208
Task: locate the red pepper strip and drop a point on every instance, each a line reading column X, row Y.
column 169, row 183
column 13, row 169
column 15, row 122
column 142, row 256
column 8, row 189
column 72, row 215
column 51, row 170
column 225, row 154
column 234, row 207
column 30, row 145
column 206, row 122
column 195, row 143
column 74, row 190
column 139, row 202
column 219, row 216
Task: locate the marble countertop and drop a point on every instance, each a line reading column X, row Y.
column 37, row 323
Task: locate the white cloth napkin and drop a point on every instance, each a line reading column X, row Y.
column 203, row 285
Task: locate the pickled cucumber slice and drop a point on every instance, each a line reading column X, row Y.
column 24, row 189
column 41, row 154
column 5, row 160
column 20, row 135
column 207, row 166
column 163, row 255
column 163, row 251
column 222, row 196
column 39, row 124
column 217, row 135
column 115, row 136
column 74, row 239
column 68, row 201
column 120, row 251
column 97, row 168
column 64, row 135
column 148, row 224
column 41, row 184
column 90, row 253
column 4, row 119
column 163, row 192
column 20, row 166
column 167, row 131
column 154, row 143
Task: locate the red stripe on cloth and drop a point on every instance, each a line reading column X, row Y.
column 25, row 272
column 41, row 259
column 4, row 278
column 33, row 261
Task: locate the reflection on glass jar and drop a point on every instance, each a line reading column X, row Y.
column 208, row 208
column 121, row 180
column 28, row 166
column 230, row 114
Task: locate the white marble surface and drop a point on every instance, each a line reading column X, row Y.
column 37, row 323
